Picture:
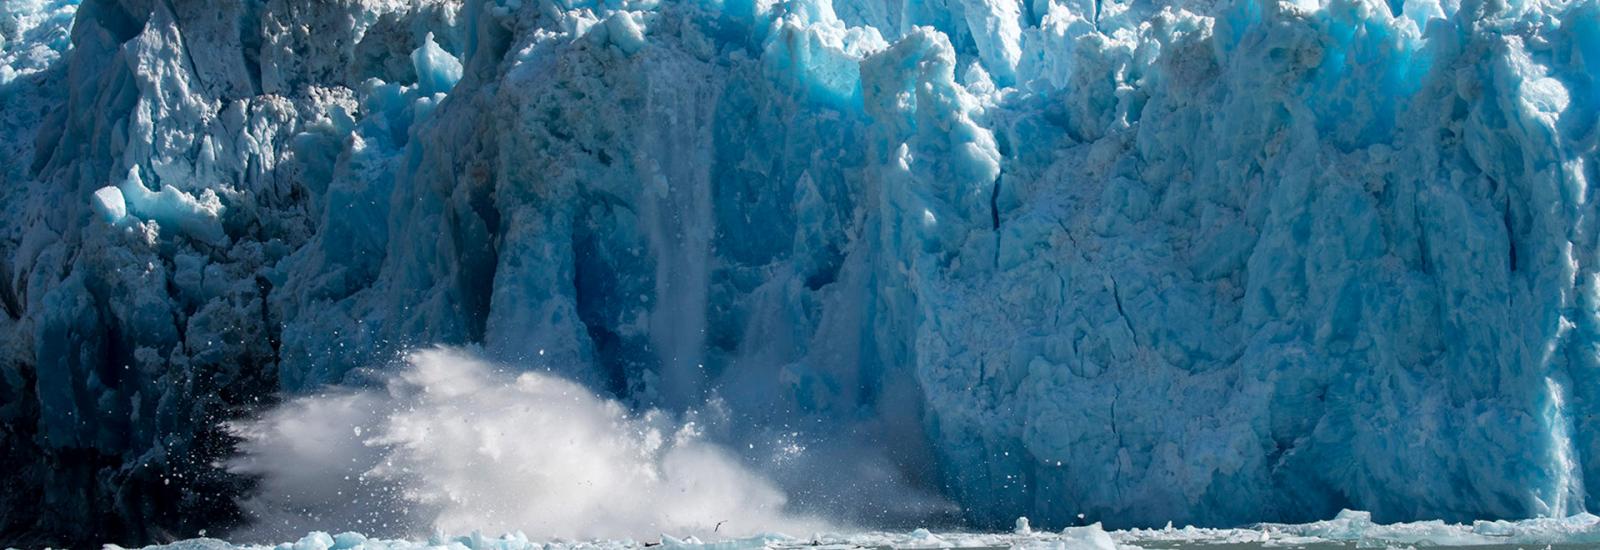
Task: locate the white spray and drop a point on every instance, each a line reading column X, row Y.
column 451, row 444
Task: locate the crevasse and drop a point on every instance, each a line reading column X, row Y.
column 1206, row 262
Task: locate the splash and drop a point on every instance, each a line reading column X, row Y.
column 454, row 443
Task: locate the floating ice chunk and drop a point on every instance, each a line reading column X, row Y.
column 349, row 540
column 1576, row 531
column 1090, row 536
column 317, row 540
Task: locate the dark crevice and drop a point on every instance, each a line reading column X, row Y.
column 274, row 332
column 608, row 344
column 188, row 53
column 994, row 218
column 596, row 292
column 994, row 203
column 1424, row 249
column 479, row 262
column 250, row 42
column 1116, row 296
column 825, row 274
column 1117, row 474
column 109, row 15
column 8, row 296
column 1511, row 236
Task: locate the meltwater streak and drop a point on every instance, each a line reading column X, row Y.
column 451, row 443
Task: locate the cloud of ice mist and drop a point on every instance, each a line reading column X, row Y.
column 451, row 443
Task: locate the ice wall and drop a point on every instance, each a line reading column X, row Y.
column 1138, row 260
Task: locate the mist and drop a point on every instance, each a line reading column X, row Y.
column 455, row 443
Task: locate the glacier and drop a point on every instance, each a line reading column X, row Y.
column 1205, row 261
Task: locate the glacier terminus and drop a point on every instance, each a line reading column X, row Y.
column 882, row 262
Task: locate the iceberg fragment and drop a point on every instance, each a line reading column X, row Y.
column 198, row 217
column 110, row 204
column 437, row 70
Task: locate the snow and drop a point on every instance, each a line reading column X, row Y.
column 1206, row 262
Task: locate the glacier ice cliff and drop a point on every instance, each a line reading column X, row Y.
column 1210, row 262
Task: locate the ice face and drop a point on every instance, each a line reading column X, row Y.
column 1143, row 261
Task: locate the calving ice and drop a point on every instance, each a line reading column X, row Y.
column 873, row 263
column 453, row 442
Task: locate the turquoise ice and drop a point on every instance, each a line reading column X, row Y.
column 1141, row 260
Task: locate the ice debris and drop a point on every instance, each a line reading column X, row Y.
column 1350, row 529
column 198, row 217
